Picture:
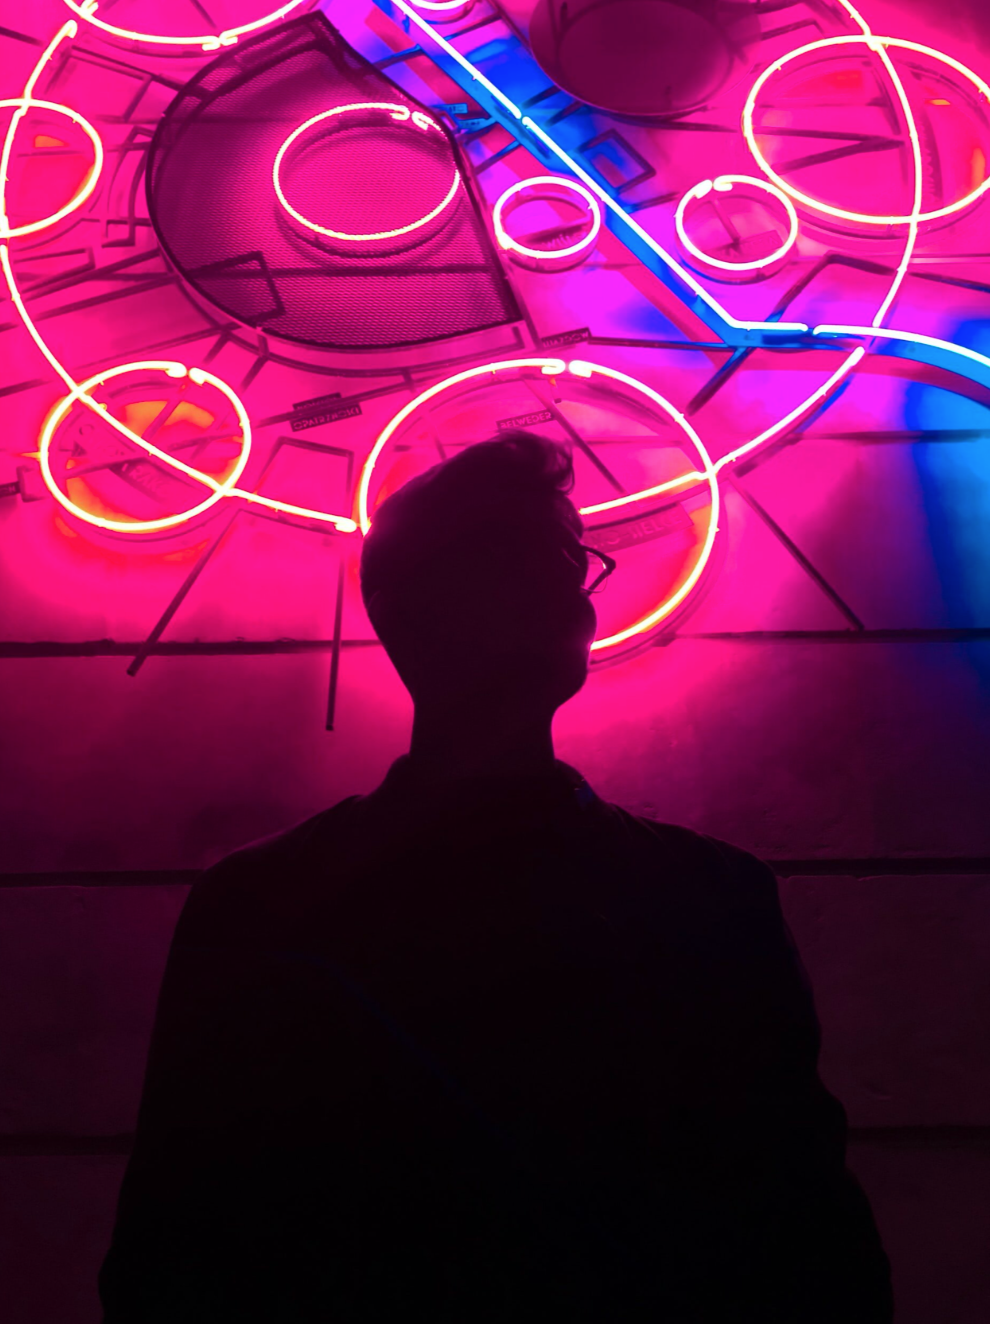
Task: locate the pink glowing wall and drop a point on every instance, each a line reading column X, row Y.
column 821, row 698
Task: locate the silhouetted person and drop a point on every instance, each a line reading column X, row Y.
column 478, row 1046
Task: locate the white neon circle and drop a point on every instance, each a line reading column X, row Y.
column 402, row 115
column 80, row 394
column 878, row 45
column 505, row 240
column 579, row 368
column 724, row 184
column 209, row 41
column 218, row 490
column 23, row 105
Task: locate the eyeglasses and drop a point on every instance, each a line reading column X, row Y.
column 595, row 557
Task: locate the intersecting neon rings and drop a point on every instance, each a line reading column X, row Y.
column 731, row 330
column 579, row 368
column 80, row 394
column 207, row 42
column 879, row 45
column 401, row 115
column 21, row 106
column 511, row 198
column 724, row 184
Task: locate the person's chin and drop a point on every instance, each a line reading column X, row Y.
column 558, row 674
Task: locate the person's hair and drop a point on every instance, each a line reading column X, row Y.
column 494, row 494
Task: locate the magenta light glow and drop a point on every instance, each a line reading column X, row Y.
column 79, row 392
column 868, row 333
column 725, row 184
column 513, row 196
column 210, row 41
column 398, row 114
column 881, row 46
column 553, row 367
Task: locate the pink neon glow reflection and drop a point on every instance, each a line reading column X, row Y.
column 552, row 367
column 395, row 112
column 881, row 46
column 209, row 41
column 706, row 473
column 79, row 392
column 442, row 6
column 513, row 194
column 21, row 107
column 724, row 184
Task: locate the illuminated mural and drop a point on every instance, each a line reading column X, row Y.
column 313, row 249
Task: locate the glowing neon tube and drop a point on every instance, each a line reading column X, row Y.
column 207, row 41
column 505, row 240
column 79, row 392
column 218, row 490
column 880, row 45
column 23, row 105
column 926, row 348
column 724, row 184
column 550, row 367
column 400, row 114
column 718, row 315
column 578, row 368
column 729, row 323
column 442, row 6
column 648, row 622
column 935, row 352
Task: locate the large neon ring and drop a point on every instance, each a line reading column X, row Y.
column 218, row 490
column 208, row 41
column 839, row 213
column 22, row 105
column 505, row 240
column 723, row 184
column 578, row 368
column 402, row 115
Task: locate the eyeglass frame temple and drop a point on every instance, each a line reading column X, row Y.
column 608, row 564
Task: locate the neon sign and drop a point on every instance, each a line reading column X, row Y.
column 551, row 367
column 725, row 184
column 211, row 41
column 852, row 342
column 513, row 196
column 881, row 45
column 80, row 392
column 396, row 113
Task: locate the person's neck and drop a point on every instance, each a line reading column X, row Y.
column 489, row 737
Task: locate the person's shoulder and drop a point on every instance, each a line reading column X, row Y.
column 696, row 857
column 235, row 895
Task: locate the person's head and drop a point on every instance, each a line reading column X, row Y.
column 473, row 573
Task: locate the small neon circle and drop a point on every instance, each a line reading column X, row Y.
column 208, row 41
column 22, row 105
column 724, row 184
column 840, row 213
column 511, row 198
column 401, row 115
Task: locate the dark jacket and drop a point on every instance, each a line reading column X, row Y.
column 492, row 1052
